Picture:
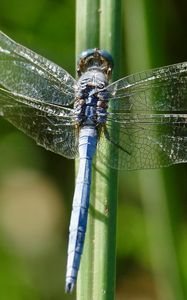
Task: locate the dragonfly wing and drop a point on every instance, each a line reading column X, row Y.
column 51, row 126
column 162, row 89
column 144, row 141
column 24, row 72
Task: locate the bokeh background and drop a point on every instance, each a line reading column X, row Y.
column 36, row 186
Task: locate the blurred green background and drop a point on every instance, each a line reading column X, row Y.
column 36, row 186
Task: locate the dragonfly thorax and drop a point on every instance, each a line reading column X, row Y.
column 91, row 98
column 94, row 77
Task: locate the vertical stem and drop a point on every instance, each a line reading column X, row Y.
column 110, row 30
column 96, row 278
column 87, row 25
column 105, row 178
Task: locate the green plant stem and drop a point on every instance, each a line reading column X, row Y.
column 87, row 25
column 96, row 279
column 110, row 30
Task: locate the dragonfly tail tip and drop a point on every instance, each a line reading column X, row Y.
column 69, row 287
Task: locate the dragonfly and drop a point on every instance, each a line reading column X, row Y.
column 141, row 118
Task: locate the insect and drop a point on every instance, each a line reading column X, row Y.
column 142, row 117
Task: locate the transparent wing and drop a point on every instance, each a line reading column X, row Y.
column 162, row 89
column 144, row 141
column 51, row 126
column 24, row 72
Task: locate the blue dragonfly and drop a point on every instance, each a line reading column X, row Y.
column 142, row 117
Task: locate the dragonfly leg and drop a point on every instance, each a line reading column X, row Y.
column 107, row 136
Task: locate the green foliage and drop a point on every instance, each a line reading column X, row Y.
column 152, row 225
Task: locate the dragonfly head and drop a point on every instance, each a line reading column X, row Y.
column 95, row 58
